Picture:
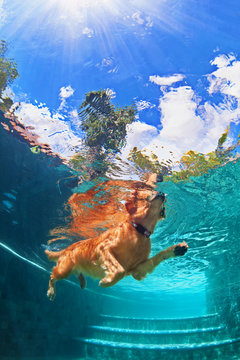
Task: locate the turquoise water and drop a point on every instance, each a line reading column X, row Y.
column 188, row 308
column 98, row 90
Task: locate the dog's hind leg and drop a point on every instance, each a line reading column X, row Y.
column 149, row 265
column 51, row 293
column 62, row 270
column 113, row 269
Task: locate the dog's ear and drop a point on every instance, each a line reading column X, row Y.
column 131, row 204
column 131, row 207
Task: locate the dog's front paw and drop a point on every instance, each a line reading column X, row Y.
column 51, row 293
column 181, row 249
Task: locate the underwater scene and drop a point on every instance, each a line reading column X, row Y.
column 120, row 180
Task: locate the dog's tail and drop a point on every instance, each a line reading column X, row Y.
column 53, row 255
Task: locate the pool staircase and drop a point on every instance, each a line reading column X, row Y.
column 196, row 338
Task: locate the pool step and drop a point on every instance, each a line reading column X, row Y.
column 155, row 336
column 101, row 349
column 117, row 344
column 194, row 338
column 208, row 321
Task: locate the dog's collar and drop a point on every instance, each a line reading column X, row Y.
column 141, row 229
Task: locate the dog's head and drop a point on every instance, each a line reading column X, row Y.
column 146, row 203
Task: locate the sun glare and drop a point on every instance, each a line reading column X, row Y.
column 68, row 21
column 75, row 7
column 85, row 17
column 100, row 15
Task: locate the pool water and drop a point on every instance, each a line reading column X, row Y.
column 188, row 308
column 101, row 91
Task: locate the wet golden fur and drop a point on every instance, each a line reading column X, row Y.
column 120, row 250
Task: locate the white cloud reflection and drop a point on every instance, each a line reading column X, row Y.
column 143, row 105
column 51, row 128
column 188, row 122
column 65, row 93
column 166, row 80
column 226, row 79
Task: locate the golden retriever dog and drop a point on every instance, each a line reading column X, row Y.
column 121, row 250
